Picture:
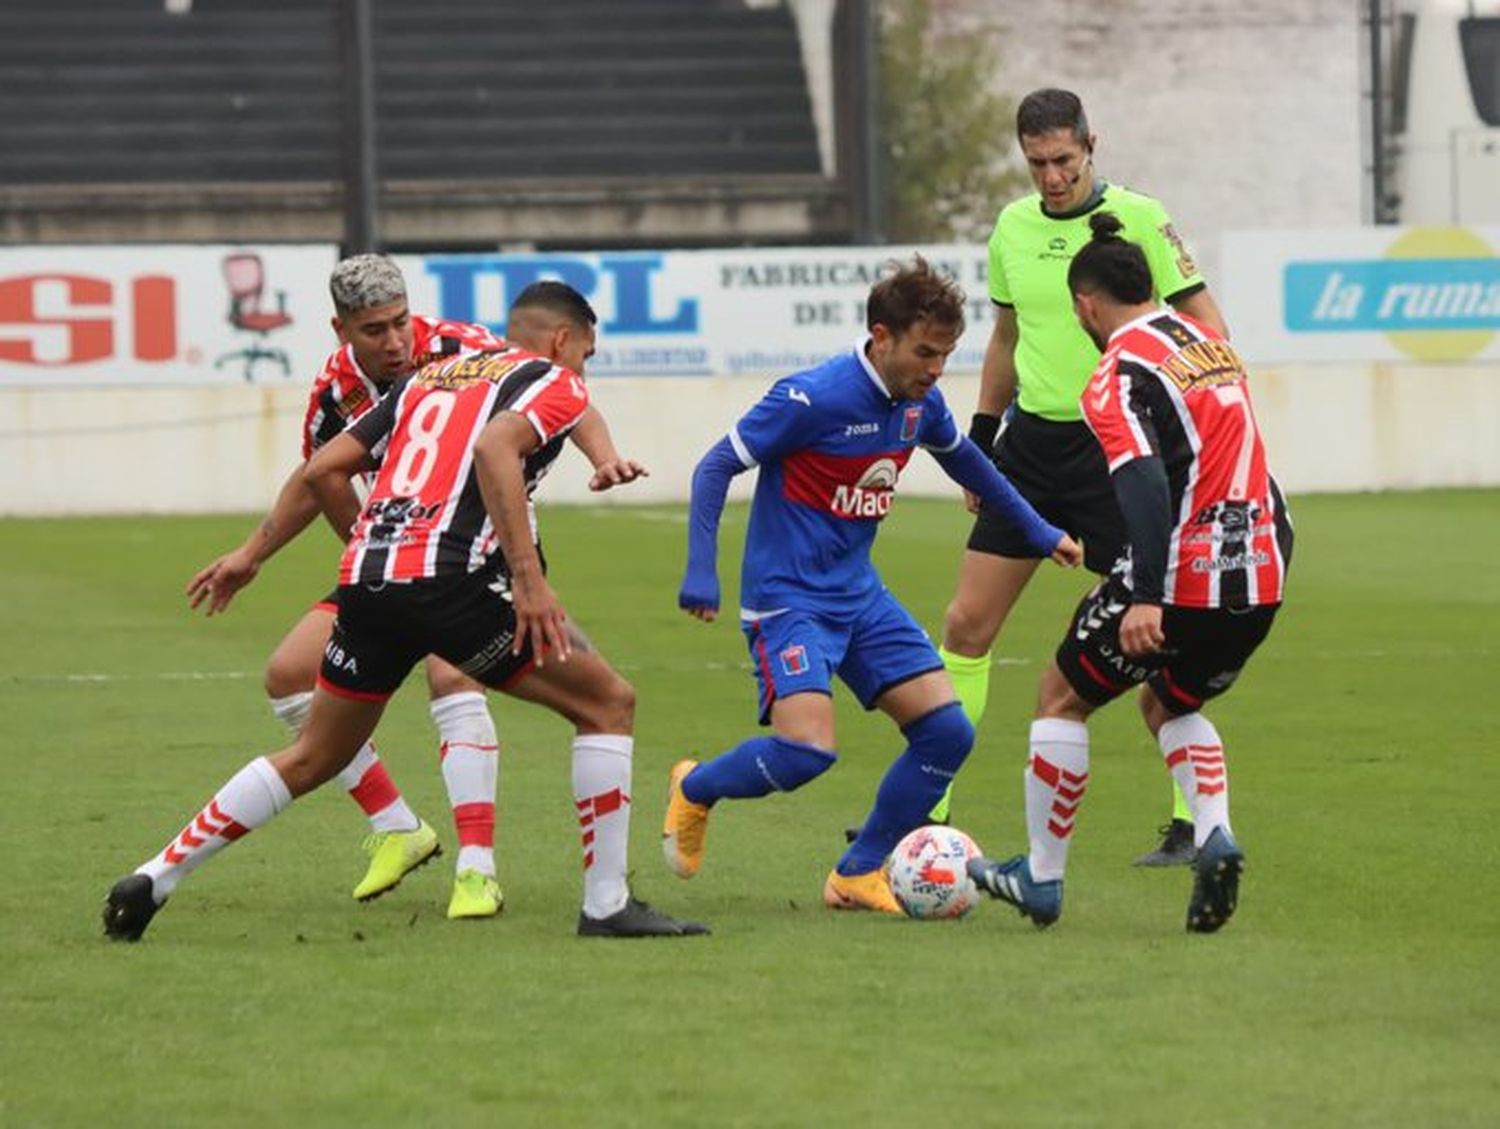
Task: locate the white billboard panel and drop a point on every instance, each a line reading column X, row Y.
column 1418, row 294
column 764, row 311
column 163, row 314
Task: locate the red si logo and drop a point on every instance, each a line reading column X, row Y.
column 89, row 319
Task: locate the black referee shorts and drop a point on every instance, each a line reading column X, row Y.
column 1060, row 469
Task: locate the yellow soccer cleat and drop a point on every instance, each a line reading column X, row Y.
column 394, row 855
column 870, row 891
column 475, row 894
column 685, row 826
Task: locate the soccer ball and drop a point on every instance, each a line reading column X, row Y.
column 928, row 873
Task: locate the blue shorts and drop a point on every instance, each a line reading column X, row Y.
column 796, row 651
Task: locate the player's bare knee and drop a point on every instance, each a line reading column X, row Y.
column 969, row 629
column 610, row 709
column 444, row 679
column 1056, row 698
column 288, row 673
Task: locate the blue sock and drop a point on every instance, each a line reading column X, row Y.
column 939, row 743
column 756, row 767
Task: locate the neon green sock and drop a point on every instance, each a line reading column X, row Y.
column 1180, row 808
column 971, row 684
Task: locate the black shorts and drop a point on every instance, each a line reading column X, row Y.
column 1205, row 650
column 380, row 633
column 1060, row 469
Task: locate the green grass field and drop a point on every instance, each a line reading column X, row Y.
column 1359, row 984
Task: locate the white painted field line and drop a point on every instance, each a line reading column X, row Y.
column 160, row 676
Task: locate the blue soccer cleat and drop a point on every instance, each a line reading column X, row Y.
column 1216, row 883
column 1011, row 882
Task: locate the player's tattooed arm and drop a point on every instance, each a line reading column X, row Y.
column 592, row 437
column 498, row 460
column 216, row 583
column 328, row 478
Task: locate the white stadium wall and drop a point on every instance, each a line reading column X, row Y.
column 1374, row 356
column 1329, row 428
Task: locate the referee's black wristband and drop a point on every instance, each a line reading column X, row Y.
column 982, row 429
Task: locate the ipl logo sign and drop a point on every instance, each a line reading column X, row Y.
column 629, row 278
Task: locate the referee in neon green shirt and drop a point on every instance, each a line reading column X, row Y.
column 1035, row 368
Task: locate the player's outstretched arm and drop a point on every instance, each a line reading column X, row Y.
column 699, row 594
column 215, row 585
column 968, row 467
column 328, row 477
column 592, row 437
column 498, row 456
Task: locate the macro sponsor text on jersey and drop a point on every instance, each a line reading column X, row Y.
column 831, row 444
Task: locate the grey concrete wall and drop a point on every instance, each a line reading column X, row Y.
column 1236, row 113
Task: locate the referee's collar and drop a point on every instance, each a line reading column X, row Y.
column 864, row 362
column 1095, row 198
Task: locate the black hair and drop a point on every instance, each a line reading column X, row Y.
column 914, row 292
column 1043, row 111
column 1111, row 263
column 559, row 298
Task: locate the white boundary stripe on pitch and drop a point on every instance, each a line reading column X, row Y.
column 163, row 676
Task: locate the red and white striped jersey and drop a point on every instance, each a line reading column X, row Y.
column 425, row 516
column 1172, row 387
column 343, row 392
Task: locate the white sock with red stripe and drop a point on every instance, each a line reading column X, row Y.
column 364, row 778
column 471, row 769
column 601, row 796
column 252, row 796
column 1057, row 775
column 1195, row 755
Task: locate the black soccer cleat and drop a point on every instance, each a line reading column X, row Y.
column 637, row 919
column 129, row 908
column 1176, row 847
column 1216, row 883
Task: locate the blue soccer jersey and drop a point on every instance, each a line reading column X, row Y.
column 830, row 444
